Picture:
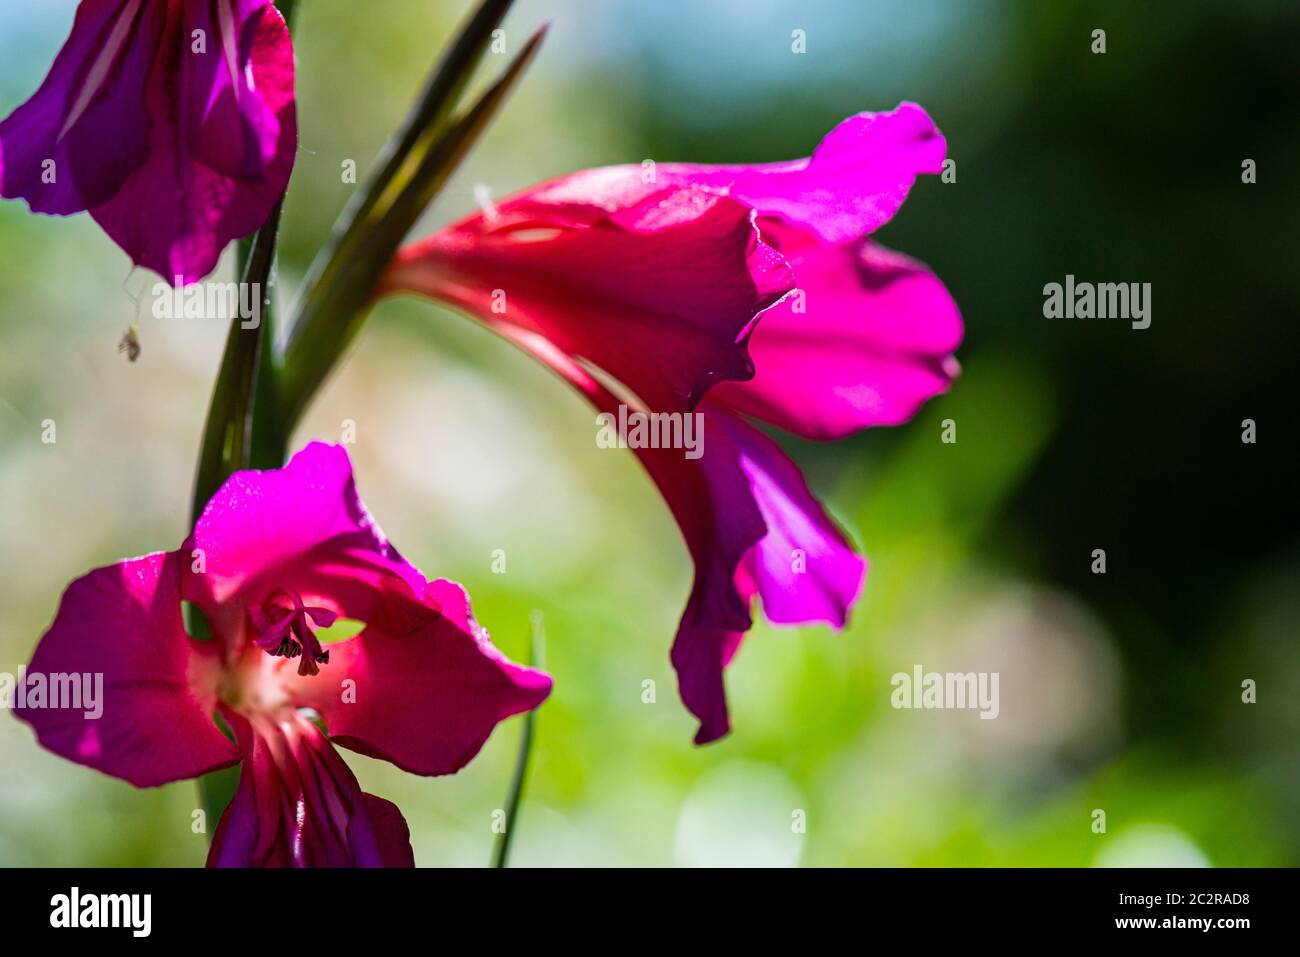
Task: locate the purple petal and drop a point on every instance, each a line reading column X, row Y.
column 174, row 152
column 89, row 118
column 428, row 700
column 804, row 568
column 794, row 557
column 854, row 182
column 392, row 834
column 230, row 126
column 177, row 213
column 123, row 623
column 302, row 528
column 299, row 805
column 868, row 337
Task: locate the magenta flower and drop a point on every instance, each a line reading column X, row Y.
column 275, row 555
column 754, row 284
column 171, row 121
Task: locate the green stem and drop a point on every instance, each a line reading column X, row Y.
column 229, row 436
column 515, row 796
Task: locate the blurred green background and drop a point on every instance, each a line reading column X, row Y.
column 1119, row 692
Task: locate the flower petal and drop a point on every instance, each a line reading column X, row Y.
column 794, row 557
column 660, row 294
column 856, row 179
column 299, row 805
column 302, row 527
column 123, row 624
column 426, row 701
column 178, row 211
column 868, row 337
column 804, row 568
column 854, row 182
column 85, row 131
column 229, row 124
column 720, row 521
column 391, row 832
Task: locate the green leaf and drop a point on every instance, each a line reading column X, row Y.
column 442, row 92
column 331, row 274
column 334, row 305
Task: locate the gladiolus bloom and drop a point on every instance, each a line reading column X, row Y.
column 275, row 555
column 757, row 285
column 171, row 121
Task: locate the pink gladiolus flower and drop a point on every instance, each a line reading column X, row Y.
column 274, row 556
column 171, row 121
column 755, row 284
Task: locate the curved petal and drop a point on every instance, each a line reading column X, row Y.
column 121, row 626
column 197, row 192
column 710, row 499
column 85, row 131
column 391, row 832
column 660, row 294
column 854, row 182
column 299, row 805
column 793, row 557
column 426, row 701
column 302, row 527
column 229, row 123
column 804, row 569
column 865, row 340
column 856, row 179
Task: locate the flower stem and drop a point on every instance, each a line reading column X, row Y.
column 232, row 435
column 514, row 798
column 241, row 432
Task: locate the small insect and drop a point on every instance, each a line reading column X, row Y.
column 130, row 343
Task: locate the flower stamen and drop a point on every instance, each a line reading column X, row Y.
column 284, row 629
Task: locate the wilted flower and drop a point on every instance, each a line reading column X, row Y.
column 171, row 121
column 275, row 555
column 740, row 291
